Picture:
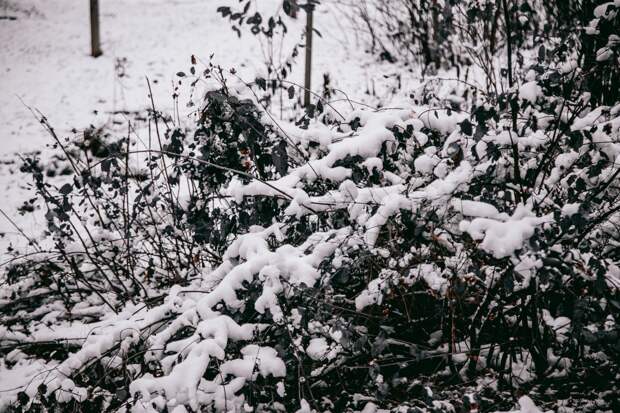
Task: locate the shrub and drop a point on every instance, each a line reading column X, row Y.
column 418, row 259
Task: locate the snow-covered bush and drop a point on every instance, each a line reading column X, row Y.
column 601, row 50
column 459, row 34
column 417, row 259
column 434, row 34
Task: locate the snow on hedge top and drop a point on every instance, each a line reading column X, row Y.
column 366, row 143
column 500, row 234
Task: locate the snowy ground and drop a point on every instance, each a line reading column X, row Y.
column 45, row 64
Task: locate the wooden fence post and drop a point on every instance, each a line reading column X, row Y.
column 95, row 42
column 309, row 30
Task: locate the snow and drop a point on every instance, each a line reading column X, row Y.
column 527, row 405
column 372, row 294
column 502, row 238
column 425, row 163
column 530, row 91
column 441, row 120
column 560, row 325
column 569, row 210
column 263, row 359
column 317, row 348
column 305, row 407
column 603, row 54
column 431, row 276
column 476, row 209
column 280, row 389
column 605, row 10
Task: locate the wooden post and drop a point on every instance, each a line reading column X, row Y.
column 309, row 30
column 95, row 43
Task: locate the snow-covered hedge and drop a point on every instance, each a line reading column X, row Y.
column 384, row 258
